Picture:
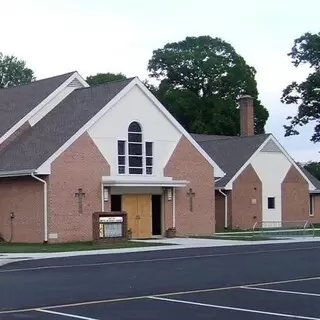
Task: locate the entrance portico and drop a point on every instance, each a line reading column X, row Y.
column 149, row 204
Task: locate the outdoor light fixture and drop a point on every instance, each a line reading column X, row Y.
column 106, row 194
column 169, row 193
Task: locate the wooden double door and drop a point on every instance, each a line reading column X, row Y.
column 139, row 210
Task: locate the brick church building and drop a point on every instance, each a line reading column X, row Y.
column 68, row 150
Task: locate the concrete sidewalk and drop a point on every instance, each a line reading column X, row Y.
column 178, row 243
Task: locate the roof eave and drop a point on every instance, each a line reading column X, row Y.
column 16, row 173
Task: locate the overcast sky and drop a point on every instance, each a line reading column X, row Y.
column 90, row 36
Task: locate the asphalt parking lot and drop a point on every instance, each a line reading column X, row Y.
column 256, row 282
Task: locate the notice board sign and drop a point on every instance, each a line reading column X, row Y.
column 109, row 226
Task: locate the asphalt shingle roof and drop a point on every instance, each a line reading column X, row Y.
column 16, row 102
column 38, row 143
column 230, row 153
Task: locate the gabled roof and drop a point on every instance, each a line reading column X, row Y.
column 38, row 143
column 311, row 177
column 16, row 102
column 231, row 153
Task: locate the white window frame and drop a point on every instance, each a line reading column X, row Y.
column 311, row 205
column 273, row 202
column 144, row 156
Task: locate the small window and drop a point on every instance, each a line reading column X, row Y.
column 149, row 157
column 121, row 156
column 271, row 203
column 311, row 205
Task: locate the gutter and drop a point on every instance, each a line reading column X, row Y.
column 225, row 208
column 45, row 206
column 16, row 173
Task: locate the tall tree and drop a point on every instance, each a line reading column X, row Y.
column 306, row 95
column 13, row 71
column 313, row 167
column 101, row 78
column 199, row 81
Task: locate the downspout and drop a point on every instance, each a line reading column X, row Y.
column 225, row 208
column 173, row 207
column 45, row 206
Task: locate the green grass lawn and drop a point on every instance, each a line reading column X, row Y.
column 71, row 246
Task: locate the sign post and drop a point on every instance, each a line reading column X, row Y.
column 109, row 227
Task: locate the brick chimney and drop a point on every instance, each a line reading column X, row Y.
column 246, row 116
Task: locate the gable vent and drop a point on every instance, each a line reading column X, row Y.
column 75, row 83
column 270, row 147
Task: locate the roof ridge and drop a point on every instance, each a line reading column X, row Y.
column 109, row 82
column 37, row 81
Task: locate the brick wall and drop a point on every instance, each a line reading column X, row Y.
column 219, row 211
column 246, row 189
column 80, row 166
column 295, row 196
column 186, row 163
column 24, row 197
column 316, row 209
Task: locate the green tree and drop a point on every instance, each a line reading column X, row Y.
column 199, row 80
column 101, row 78
column 13, row 71
column 305, row 95
column 313, row 167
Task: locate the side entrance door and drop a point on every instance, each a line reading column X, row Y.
column 138, row 208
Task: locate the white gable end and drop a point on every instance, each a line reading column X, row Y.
column 156, row 128
column 271, row 166
column 74, row 82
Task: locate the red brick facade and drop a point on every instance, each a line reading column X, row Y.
column 295, row 196
column 80, row 166
column 186, row 163
column 24, row 197
column 246, row 199
column 316, row 209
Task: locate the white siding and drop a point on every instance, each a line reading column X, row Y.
column 135, row 106
column 271, row 168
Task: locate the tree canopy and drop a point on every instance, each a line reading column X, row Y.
column 313, row 167
column 305, row 95
column 13, row 71
column 101, row 78
column 199, row 80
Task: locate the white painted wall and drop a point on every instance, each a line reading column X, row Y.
column 271, row 168
column 136, row 190
column 135, row 106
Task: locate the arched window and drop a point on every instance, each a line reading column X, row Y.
column 135, row 151
column 135, row 154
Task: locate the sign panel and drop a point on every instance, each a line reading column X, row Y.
column 111, row 219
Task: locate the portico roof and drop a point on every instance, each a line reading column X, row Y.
column 142, row 182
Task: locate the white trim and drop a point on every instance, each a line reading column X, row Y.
column 88, row 125
column 225, row 208
column 271, row 137
column 173, row 207
column 114, row 182
column 135, row 82
column 45, row 207
column 311, row 205
column 218, row 172
column 29, row 115
column 102, row 198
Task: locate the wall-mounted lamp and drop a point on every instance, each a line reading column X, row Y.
column 169, row 194
column 106, row 194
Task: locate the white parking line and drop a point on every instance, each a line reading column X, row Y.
column 282, row 291
column 284, row 315
column 65, row 314
column 152, row 260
